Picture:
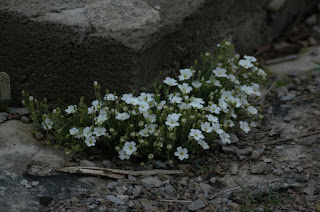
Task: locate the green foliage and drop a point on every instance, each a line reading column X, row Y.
column 267, row 200
column 181, row 116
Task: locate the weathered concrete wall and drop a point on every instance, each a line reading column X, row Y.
column 56, row 49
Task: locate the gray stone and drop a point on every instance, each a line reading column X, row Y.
column 107, row 163
column 258, row 168
column 136, row 191
column 112, row 185
column 183, row 182
column 255, row 154
column 25, row 119
column 116, row 200
column 24, row 182
column 39, row 136
column 99, row 31
column 159, row 164
column 286, row 98
column 213, row 180
column 130, row 204
column 234, row 168
column 169, row 190
column 87, row 163
column 35, row 183
column 132, row 178
column 267, row 160
column 123, row 197
column 28, row 186
column 301, row 64
column 146, row 204
column 276, row 5
column 150, row 182
column 5, row 89
column 245, row 151
column 229, row 148
column 205, row 187
column 300, row 169
column 312, row 20
column 196, row 205
column 310, row 189
column 234, row 138
column 3, row 117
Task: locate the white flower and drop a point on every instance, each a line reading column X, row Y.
column 146, row 97
column 182, row 153
column 95, row 83
column 212, row 119
column 175, row 99
column 220, row 72
column 87, row 132
column 129, row 147
column 30, row 98
column 227, row 96
column 206, row 127
column 252, row 110
column 91, row 110
column 185, row 74
column 247, row 89
column 244, row 126
column 150, row 156
column 161, row 104
column 150, row 118
column 96, row 104
column 184, row 106
column 172, row 120
column 47, row 124
column 110, row 97
column 133, row 101
column 151, row 128
column 123, row 155
column 185, row 88
column 71, row 109
column 196, row 84
column 217, row 83
column 126, row 96
column 170, row 81
column 196, row 134
column 122, row 116
column 99, row 131
column 216, row 128
column 225, row 138
column 143, row 107
column 245, row 64
column 230, row 123
column 90, row 141
column 261, row 73
column 144, row 132
column 250, row 58
column 203, row 144
column 214, row 109
column 222, row 104
column 74, row 131
column 197, row 103
column 100, row 119
column 255, row 88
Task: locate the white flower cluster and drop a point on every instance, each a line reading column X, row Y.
column 183, row 114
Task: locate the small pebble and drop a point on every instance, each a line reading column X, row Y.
column 35, row 183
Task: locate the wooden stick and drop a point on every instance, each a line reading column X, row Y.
column 175, row 200
column 115, row 173
column 292, row 138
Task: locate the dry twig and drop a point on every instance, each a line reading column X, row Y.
column 115, row 173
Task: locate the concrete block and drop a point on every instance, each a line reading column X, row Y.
column 5, row 90
column 57, row 49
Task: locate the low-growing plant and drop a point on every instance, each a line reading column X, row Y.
column 267, row 200
column 181, row 116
